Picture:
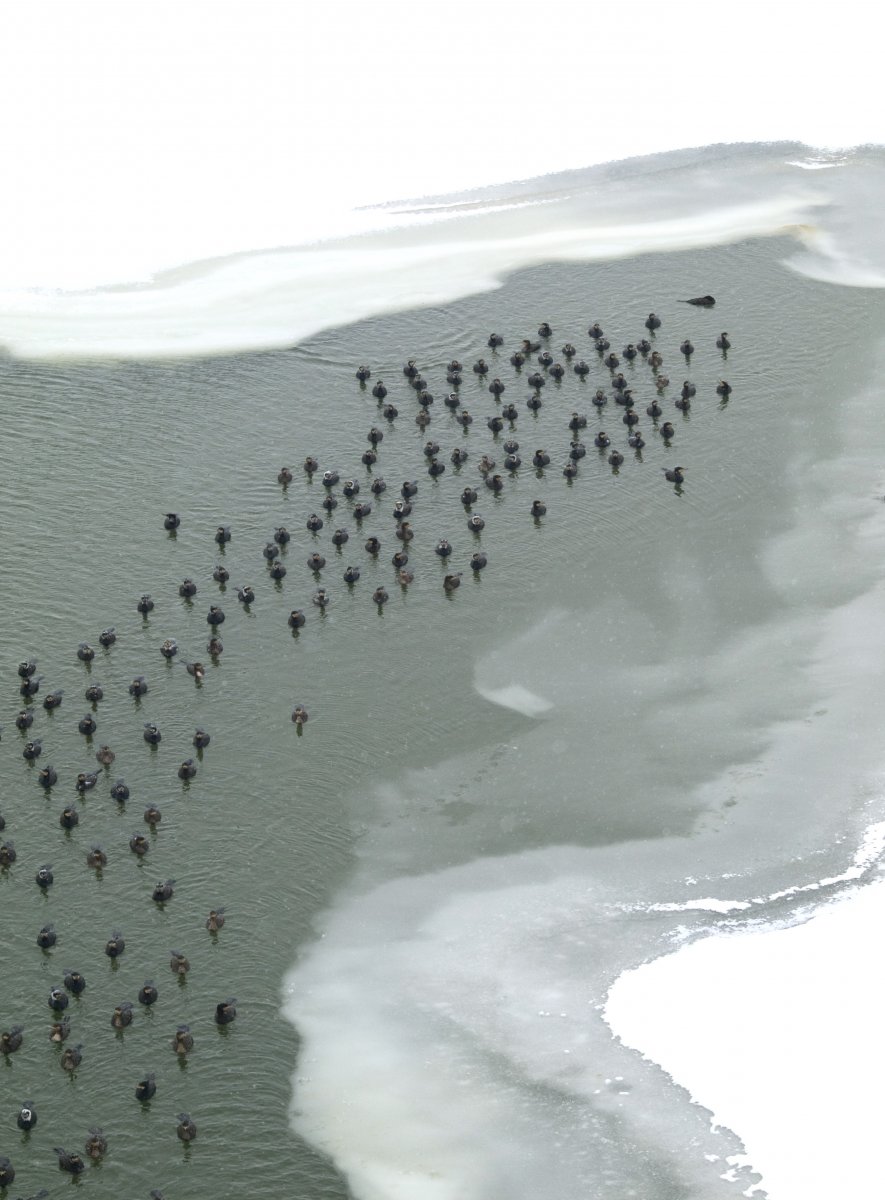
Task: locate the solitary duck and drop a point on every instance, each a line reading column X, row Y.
column 300, row 715
column 701, row 301
column 722, row 342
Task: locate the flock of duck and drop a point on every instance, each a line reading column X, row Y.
column 490, row 468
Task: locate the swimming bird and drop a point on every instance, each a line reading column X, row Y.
column 71, row 1057
column 602, row 441
column 540, row 459
column 44, row 877
column 85, row 653
column 145, row 604
column 145, row 1089
column 595, row 331
column 30, row 686
column 186, row 1130
column 443, row 548
column 188, row 769
column 222, row 534
column 58, row 1000
column 297, row 619
column 69, row 818
column 722, row 342
column 24, row 720
column 53, row 700
column 379, row 391
column 226, row 1011
column 94, row 693
column 96, row 858
column 163, row 891
column 380, row 596
column 74, row 982
column 220, row 574
column 351, row 574
column 148, row 993
column 96, row 1144
column 138, row 686
column 107, row 637
column 115, row 945
column 311, row 465
column 538, row 509
column 201, row 739
column 32, row 750
column 478, row 561
column 171, row 521
column 183, row 1041
column 152, row 734
column 615, row 459
column 215, row 920
column 451, row 582
column 700, row 301
column 480, row 367
column 652, row 322
column 496, row 387
column 675, row 475
column 215, row 616
column 122, row 1016
column 581, row 369
column 26, row 1119
column 723, row 388
column 285, row 476
column 469, row 496
column 179, row 964
column 87, row 725
column 59, row 1030
column 458, row 456
column 70, row 1161
column 475, row 523
column 300, row 715
column 196, row 669
column 7, row 1172
column 246, row 594
column 321, row 598
column 8, row 854
column 11, row 1039
column 139, row 845
column 214, row 647
column 666, row 431
column 187, row 588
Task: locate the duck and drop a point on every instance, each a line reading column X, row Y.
column 169, row 648
column 458, row 456
column 602, row 441
column 480, row 367
column 152, row 816
column 652, row 322
column 654, row 410
column 163, row 891
column 701, row 301
column 629, row 352
column 26, row 1119
column 223, row 535
column 69, row 818
column 636, row 440
column 372, row 546
column 183, row 1041
column 512, row 462
column 541, row 459
column 545, row 358
column 495, row 483
column 682, row 403
column 122, row 1016
column 201, row 739
column 557, row 371
column 496, row 387
column 662, row 382
column 478, row 561
column 688, row 389
column 94, row 693
column 285, row 476
column 179, row 964
column 148, row 993
column 139, row 845
column 116, row 944
column 601, row 345
column 59, row 1030
column 188, row 769
column 410, row 370
column 630, row 418
column 568, row 351
column 451, row 582
column 152, row 734
column 469, row 496
column 509, row 413
column 340, row 537
column 643, row 346
column 494, row 341
column 225, row 1012
column 517, row 359
column 7, row 1172
column 32, row 750
column 215, row 920
column 8, row 854
column 686, row 348
column 475, row 523
column 74, row 982
column 96, row 857
column 377, row 487
column 27, row 668
column 300, row 715
column 464, row 418
column 537, row 380
column 379, row 391
column 544, row 330
column 454, row 366
column 577, row 421
column 47, row 937
column 722, row 342
column 138, row 686
column 11, row 1039
column 581, row 369
column 351, row 575
column 215, row 616
column 58, row 999
column 187, row 588
column 595, row 331
column 214, row 647
column 195, row 669
column 321, row 598
column 277, row 571
column 666, row 431
column 186, row 1130
column 452, row 400
column 71, row 1057
column 443, row 548
column 246, row 594
column 404, row 577
column 330, row 502
column 25, row 719
column 314, row 523
column 96, row 1144
column 611, row 361
column 70, row 1161
column 311, row 466
column 53, row 700
column 85, row 653
column 87, row 725
column 495, row 424
column 30, row 686
column 171, row 521
column 723, row 388
column 435, row 468
column 538, row 509
column 44, row 877
column 674, row 475
column 146, row 1089
column 220, row 574
column 375, row 436
column 615, row 459
column 271, row 551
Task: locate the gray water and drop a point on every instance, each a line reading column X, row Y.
column 673, row 632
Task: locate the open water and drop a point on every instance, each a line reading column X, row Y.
column 655, row 714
